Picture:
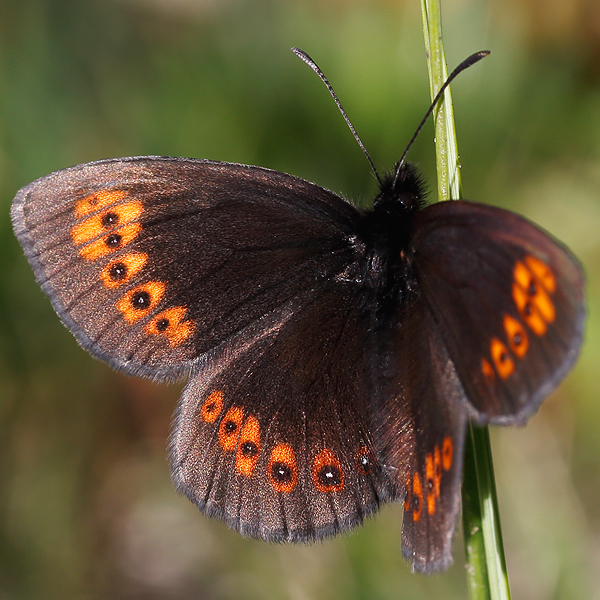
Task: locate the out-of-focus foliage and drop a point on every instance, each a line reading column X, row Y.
column 86, row 505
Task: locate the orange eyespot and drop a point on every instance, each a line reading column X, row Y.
column 430, row 483
column 111, row 242
column 229, row 429
column 327, row 474
column 528, row 311
column 503, row 362
column 248, row 448
column 437, row 471
column 417, row 489
column 542, row 272
column 170, row 324
column 121, row 270
column 516, row 335
column 364, row 460
column 139, row 301
column 488, row 372
column 212, row 407
column 97, row 201
column 447, row 453
column 283, row 471
column 106, row 221
column 530, row 294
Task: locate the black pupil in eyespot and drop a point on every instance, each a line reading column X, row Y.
column 109, row 219
column 140, row 300
column 113, row 240
column 517, row 339
column 329, row 475
column 281, row 472
column 230, row 426
column 118, row 272
column 162, row 324
column 249, row 449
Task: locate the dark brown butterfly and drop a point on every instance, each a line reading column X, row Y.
column 334, row 355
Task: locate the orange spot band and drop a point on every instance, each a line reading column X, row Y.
column 283, row 471
column 327, row 474
column 121, row 270
column 111, row 242
column 139, row 301
column 212, row 407
column 248, row 448
column 229, row 429
column 98, row 201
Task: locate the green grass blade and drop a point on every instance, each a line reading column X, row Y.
column 486, row 567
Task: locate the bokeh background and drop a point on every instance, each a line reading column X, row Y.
column 87, row 509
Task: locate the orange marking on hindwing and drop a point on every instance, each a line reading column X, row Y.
column 447, row 453
column 542, row 272
column 97, row 201
column 503, row 362
column 417, row 489
column 364, row 460
column 283, row 471
column 139, row 301
column 437, row 471
column 488, row 371
column 212, row 407
column 229, row 429
column 170, row 324
column 430, row 483
column 516, row 335
column 120, row 270
column 111, row 242
column 327, row 473
column 248, row 448
column 105, row 221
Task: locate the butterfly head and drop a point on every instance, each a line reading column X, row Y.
column 402, row 190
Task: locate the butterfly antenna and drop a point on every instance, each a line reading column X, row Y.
column 465, row 64
column 313, row 65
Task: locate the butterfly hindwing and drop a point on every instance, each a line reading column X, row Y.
column 508, row 301
column 153, row 261
column 272, row 434
column 421, row 417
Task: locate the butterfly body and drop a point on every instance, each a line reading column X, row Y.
column 334, row 355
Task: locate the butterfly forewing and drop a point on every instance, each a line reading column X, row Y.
column 151, row 262
column 508, row 301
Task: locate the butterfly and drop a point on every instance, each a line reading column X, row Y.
column 334, row 355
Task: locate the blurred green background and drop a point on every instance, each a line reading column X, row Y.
column 87, row 509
